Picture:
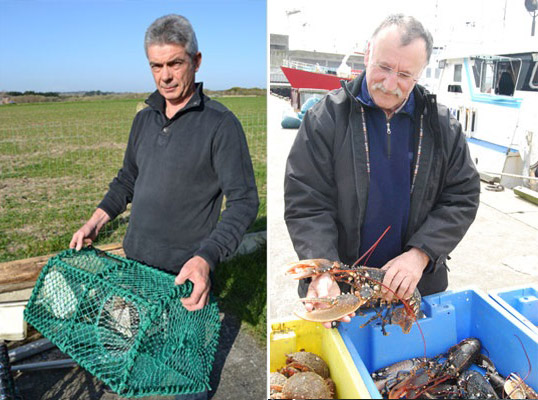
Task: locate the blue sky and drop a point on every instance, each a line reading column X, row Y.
column 61, row 45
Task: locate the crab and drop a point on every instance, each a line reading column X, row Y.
column 306, row 361
column 304, row 385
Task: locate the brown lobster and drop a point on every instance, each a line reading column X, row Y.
column 366, row 284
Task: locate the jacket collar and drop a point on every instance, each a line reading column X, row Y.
column 157, row 101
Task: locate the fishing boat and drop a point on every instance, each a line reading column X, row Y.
column 302, row 75
column 305, row 79
column 494, row 95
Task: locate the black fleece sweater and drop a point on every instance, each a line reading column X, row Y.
column 175, row 173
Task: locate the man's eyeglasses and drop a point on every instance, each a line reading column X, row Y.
column 403, row 76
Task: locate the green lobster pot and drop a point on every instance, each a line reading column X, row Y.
column 124, row 322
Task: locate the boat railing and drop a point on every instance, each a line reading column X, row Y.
column 309, row 67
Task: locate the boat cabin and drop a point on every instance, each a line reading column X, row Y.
column 495, row 98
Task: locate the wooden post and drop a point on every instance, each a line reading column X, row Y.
column 22, row 274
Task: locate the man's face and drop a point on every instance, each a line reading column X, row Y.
column 385, row 87
column 173, row 70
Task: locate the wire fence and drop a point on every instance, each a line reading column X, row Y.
column 56, row 162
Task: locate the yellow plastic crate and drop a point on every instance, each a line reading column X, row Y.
column 293, row 335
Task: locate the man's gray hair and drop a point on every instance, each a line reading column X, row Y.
column 172, row 29
column 411, row 29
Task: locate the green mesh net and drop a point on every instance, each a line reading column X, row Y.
column 123, row 322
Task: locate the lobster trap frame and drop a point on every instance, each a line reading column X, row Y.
column 124, row 322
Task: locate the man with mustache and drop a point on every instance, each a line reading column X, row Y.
column 185, row 152
column 381, row 152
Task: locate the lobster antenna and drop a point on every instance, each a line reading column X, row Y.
column 526, row 355
column 520, row 383
column 371, row 249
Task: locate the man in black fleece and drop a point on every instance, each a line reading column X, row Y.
column 184, row 153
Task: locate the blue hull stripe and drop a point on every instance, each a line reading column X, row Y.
column 492, row 146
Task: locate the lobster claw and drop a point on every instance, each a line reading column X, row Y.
column 307, row 268
column 401, row 317
column 335, row 307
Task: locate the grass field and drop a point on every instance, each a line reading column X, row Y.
column 57, row 159
column 241, row 287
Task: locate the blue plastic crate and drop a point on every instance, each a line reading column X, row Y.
column 450, row 318
column 521, row 302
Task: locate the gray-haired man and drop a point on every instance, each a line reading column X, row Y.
column 184, row 153
column 381, row 152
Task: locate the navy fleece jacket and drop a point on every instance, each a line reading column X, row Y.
column 391, row 158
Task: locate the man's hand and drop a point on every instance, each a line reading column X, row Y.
column 197, row 271
column 403, row 273
column 324, row 286
column 84, row 236
column 88, row 233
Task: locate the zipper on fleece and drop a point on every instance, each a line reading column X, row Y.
column 388, row 138
column 353, row 98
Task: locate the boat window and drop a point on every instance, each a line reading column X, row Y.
column 454, row 88
column 457, row 73
column 507, row 72
column 505, row 85
column 486, row 78
column 496, row 75
column 473, row 121
column 477, row 67
column 534, row 77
